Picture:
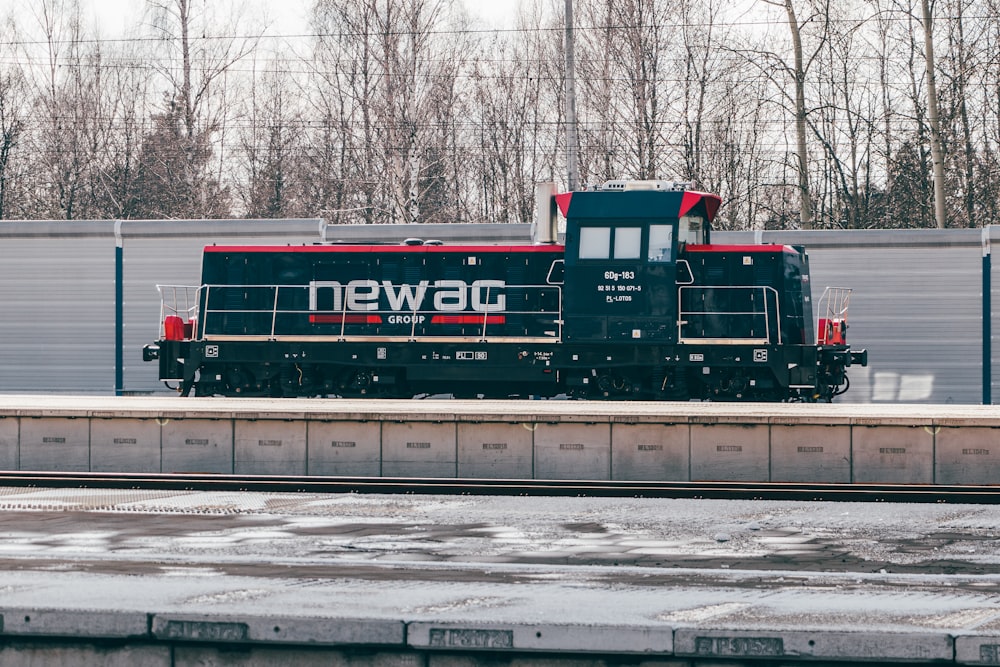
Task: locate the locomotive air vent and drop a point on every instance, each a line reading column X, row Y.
column 433, row 242
column 413, row 242
column 623, row 186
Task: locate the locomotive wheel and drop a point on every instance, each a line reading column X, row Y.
column 200, row 385
column 356, row 382
column 360, row 382
column 239, row 381
column 207, row 389
column 300, row 381
column 674, row 386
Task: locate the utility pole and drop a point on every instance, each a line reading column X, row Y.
column 937, row 150
column 572, row 143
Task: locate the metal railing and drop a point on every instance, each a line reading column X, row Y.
column 747, row 314
column 291, row 311
column 831, row 314
column 178, row 301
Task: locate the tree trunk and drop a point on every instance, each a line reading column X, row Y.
column 937, row 153
column 805, row 196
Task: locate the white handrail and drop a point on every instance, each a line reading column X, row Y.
column 765, row 313
column 200, row 308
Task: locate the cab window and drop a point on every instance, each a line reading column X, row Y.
column 628, row 242
column 595, row 242
column 660, row 243
column 691, row 229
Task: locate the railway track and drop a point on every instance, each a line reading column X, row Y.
column 906, row 493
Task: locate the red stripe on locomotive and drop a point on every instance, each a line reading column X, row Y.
column 744, row 249
column 345, row 319
column 468, row 319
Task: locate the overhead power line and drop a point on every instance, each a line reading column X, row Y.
column 554, row 30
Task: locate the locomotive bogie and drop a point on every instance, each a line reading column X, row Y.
column 404, row 370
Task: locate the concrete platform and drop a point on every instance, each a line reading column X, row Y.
column 926, row 444
column 158, row 578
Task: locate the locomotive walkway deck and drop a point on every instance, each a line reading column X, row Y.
column 177, row 578
column 836, row 443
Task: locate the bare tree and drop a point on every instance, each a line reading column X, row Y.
column 697, row 35
column 798, row 71
column 988, row 114
column 270, row 141
column 13, row 124
column 604, row 134
column 960, row 70
column 201, row 48
column 623, row 55
column 845, row 117
column 342, row 135
column 121, row 124
column 167, row 160
column 736, row 161
column 66, row 89
column 844, row 125
column 507, row 108
column 389, row 73
column 913, row 200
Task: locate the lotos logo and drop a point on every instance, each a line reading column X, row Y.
column 448, row 296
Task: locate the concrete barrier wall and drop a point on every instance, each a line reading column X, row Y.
column 55, row 443
column 124, row 445
column 730, row 451
column 10, row 433
column 966, row 455
column 269, row 447
column 197, row 445
column 495, row 450
column 650, row 452
column 45, row 637
column 572, row 451
column 419, row 449
column 894, row 454
column 344, row 448
column 810, row 453
column 752, row 449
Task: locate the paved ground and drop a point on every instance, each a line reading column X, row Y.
column 706, row 578
column 308, row 535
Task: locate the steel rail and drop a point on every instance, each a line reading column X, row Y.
column 914, row 493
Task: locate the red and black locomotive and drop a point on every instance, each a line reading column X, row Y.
column 637, row 304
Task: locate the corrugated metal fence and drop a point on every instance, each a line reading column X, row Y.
column 70, row 289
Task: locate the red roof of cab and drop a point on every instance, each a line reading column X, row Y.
column 689, row 200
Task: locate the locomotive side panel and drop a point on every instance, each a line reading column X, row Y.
column 748, row 292
column 387, row 292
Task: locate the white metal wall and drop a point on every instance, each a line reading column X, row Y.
column 57, row 307
column 916, row 304
column 169, row 253
column 916, row 307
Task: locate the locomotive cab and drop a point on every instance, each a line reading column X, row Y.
column 721, row 322
column 623, row 255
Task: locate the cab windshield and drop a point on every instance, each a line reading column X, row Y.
column 691, row 230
